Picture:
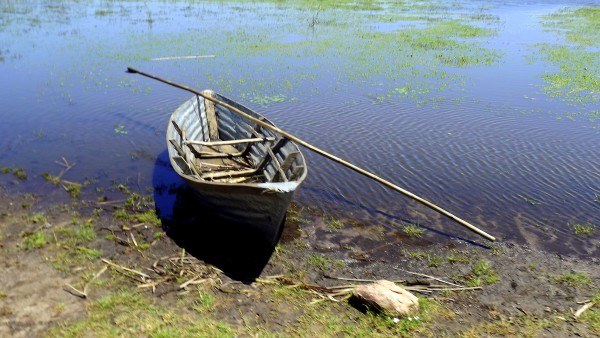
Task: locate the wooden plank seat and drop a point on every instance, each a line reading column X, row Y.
column 226, row 163
column 230, row 142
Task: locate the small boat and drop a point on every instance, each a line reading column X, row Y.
column 244, row 172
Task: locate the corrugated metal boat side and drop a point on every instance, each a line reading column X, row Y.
column 255, row 206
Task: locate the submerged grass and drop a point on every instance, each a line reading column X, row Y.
column 343, row 46
column 577, row 58
column 582, row 229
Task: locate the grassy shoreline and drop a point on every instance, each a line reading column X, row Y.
column 117, row 272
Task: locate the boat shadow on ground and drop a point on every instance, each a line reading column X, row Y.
column 237, row 249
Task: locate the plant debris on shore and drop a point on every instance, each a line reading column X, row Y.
column 100, row 273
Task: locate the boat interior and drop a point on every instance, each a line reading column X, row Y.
column 217, row 145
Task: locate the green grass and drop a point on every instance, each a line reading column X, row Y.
column 482, row 273
column 573, row 279
column 318, row 261
column 127, row 313
column 328, row 320
column 204, row 302
column 86, row 233
column 459, row 257
column 294, row 214
column 418, row 255
column 89, row 253
column 435, row 261
column 148, row 217
column 38, row 218
column 36, row 240
column 412, row 230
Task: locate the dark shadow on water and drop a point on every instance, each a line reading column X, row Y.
column 240, row 251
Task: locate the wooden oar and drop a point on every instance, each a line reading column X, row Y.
column 322, row 153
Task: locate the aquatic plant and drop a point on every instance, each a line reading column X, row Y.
column 334, row 223
column 531, row 200
column 267, row 100
column 20, row 173
column 51, row 178
column 582, row 229
column 120, row 130
column 577, row 58
column 412, row 230
column 73, row 188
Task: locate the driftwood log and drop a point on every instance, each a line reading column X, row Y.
column 387, row 297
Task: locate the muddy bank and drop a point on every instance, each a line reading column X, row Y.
column 68, row 263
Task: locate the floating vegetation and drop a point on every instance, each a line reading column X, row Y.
column 578, row 25
column 19, row 173
column 582, row 229
column 120, row 129
column 73, row 188
column 51, row 178
column 123, row 189
column 531, row 200
column 267, row 100
column 103, row 12
column 578, row 58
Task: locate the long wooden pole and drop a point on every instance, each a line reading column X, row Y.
column 323, row 153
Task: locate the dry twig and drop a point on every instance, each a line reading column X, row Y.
column 118, row 267
column 83, row 294
column 583, row 308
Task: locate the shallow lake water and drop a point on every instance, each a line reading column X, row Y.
column 447, row 100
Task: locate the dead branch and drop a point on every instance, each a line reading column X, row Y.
column 118, row 267
column 583, row 308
